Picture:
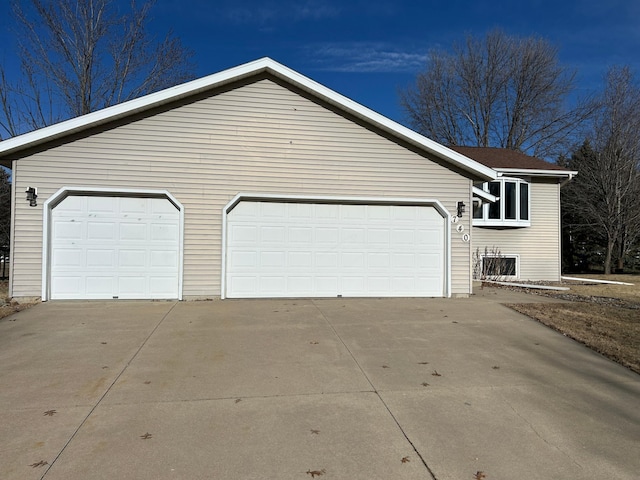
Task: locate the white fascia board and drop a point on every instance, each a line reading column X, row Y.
column 486, row 196
column 481, row 171
column 178, row 92
column 535, row 173
column 131, row 107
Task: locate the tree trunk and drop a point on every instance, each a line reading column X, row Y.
column 608, row 256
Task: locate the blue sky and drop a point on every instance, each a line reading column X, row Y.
column 368, row 49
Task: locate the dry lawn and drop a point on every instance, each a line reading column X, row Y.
column 594, row 319
column 8, row 306
column 625, row 292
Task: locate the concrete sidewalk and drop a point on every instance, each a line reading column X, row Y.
column 294, row 389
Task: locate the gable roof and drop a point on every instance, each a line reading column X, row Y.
column 512, row 161
column 263, row 65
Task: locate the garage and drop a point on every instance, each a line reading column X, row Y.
column 114, row 247
column 313, row 248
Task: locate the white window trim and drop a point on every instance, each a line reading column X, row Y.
column 501, row 255
column 502, row 221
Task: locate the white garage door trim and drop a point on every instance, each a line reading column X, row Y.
column 65, row 192
column 339, row 200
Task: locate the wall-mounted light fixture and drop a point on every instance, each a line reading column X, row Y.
column 461, row 208
column 32, row 195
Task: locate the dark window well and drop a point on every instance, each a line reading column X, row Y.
column 499, row 266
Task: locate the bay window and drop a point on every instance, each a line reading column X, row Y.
column 510, row 210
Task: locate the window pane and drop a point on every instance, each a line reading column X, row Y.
column 499, row 266
column 510, row 200
column 524, row 201
column 494, row 208
column 477, row 209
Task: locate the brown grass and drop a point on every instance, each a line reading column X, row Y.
column 630, row 293
column 8, row 306
column 613, row 331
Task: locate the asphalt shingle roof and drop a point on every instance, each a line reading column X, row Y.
column 504, row 158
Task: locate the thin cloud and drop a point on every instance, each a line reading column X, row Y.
column 364, row 57
column 272, row 12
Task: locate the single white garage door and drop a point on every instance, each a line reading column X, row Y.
column 326, row 250
column 114, row 247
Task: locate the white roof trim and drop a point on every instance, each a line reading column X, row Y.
column 536, row 172
column 178, row 92
column 486, row 196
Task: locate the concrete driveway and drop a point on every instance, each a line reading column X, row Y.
column 295, row 389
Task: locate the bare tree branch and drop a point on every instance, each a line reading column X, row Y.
column 78, row 56
column 605, row 194
column 498, row 91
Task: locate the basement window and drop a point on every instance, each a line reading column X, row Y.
column 512, row 209
column 500, row 267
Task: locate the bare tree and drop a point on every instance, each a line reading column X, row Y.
column 78, row 56
column 498, row 91
column 605, row 194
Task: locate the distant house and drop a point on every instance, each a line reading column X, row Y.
column 521, row 228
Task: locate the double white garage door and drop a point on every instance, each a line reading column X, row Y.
column 104, row 247
column 277, row 249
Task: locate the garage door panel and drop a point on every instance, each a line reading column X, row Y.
column 326, row 286
column 131, row 286
column 101, row 231
column 96, row 204
column 273, row 234
column 130, row 205
column 68, row 230
column 67, row 258
column 162, row 232
column 114, row 247
column 355, row 250
column 67, row 286
column 136, row 232
column 326, row 260
column 300, row 235
column 99, row 286
column 379, row 260
column 299, row 285
column 163, row 259
column 100, row 258
column 327, row 237
column 272, row 284
column 429, row 262
column 378, row 236
column 379, row 212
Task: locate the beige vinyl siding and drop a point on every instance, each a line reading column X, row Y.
column 538, row 245
column 257, row 138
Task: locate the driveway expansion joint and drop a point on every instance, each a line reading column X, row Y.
column 84, row 420
column 375, row 390
column 533, row 429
